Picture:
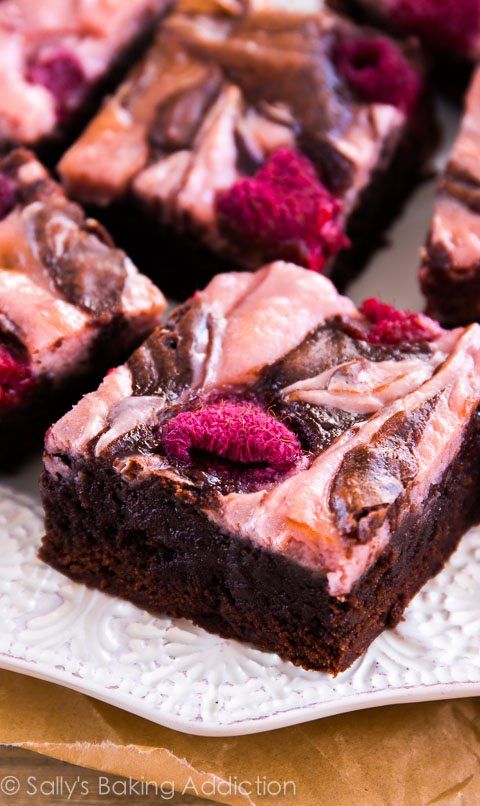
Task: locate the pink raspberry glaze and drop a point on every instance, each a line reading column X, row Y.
column 60, row 72
column 285, row 211
column 391, row 326
column 15, row 378
column 235, row 430
column 453, row 24
column 377, row 70
column 7, row 195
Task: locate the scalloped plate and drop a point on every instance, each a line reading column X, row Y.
column 176, row 674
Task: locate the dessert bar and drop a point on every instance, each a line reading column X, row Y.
column 55, row 54
column 256, row 136
column 274, row 464
column 450, row 271
column 70, row 302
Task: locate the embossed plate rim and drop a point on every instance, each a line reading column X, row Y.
column 295, row 716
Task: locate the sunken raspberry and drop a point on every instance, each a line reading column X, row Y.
column 62, row 74
column 378, row 71
column 451, row 24
column 15, row 378
column 7, row 195
column 391, row 326
column 285, row 211
column 240, row 432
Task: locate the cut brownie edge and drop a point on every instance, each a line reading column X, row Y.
column 453, row 296
column 450, row 265
column 227, row 585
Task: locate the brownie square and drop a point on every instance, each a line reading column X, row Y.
column 56, row 56
column 450, row 270
column 273, row 464
column 253, row 136
column 71, row 304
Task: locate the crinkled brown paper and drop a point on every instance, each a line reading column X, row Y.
column 400, row 755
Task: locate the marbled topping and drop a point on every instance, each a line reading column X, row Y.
column 306, row 440
column 202, row 127
column 222, row 339
column 300, row 517
column 362, row 387
column 454, row 238
column 52, row 53
column 61, row 279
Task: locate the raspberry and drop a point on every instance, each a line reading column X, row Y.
column 7, row 195
column 240, row 432
column 285, row 211
column 62, row 74
column 15, row 378
column 391, row 326
column 377, row 71
column 451, row 24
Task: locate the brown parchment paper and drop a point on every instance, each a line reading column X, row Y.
column 406, row 754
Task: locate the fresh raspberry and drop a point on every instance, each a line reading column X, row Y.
column 240, row 432
column 62, row 74
column 451, row 24
column 285, row 211
column 391, row 326
column 7, row 195
column 378, row 71
column 15, row 378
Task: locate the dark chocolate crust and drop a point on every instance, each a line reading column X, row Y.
column 136, row 541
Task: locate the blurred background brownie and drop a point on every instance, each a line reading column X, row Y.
column 450, row 271
column 71, row 304
column 56, row 54
column 448, row 29
column 252, row 136
column 273, row 464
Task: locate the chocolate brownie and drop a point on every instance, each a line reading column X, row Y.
column 273, row 464
column 448, row 28
column 450, row 271
column 54, row 55
column 70, row 302
column 252, row 136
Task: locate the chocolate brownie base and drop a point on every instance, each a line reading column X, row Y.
column 453, row 297
column 137, row 542
column 182, row 264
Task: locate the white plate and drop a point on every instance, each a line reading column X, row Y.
column 180, row 676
